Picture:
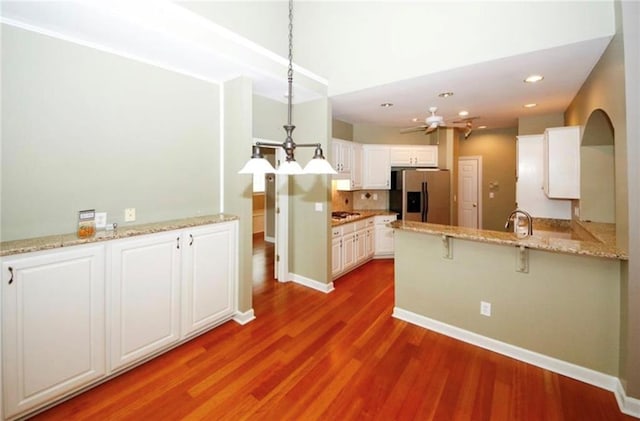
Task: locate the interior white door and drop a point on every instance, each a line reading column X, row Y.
column 469, row 176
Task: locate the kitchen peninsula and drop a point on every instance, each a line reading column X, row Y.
column 553, row 302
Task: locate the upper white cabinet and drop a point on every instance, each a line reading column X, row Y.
column 145, row 296
column 347, row 161
column 414, row 156
column 529, row 191
column 377, row 167
column 561, row 160
column 53, row 325
column 208, row 276
column 341, row 151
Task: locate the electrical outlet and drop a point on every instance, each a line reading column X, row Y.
column 101, row 220
column 129, row 214
column 375, row 196
column 485, row 308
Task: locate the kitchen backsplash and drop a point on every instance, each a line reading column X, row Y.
column 371, row 199
column 360, row 199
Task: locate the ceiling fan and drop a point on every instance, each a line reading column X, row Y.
column 434, row 121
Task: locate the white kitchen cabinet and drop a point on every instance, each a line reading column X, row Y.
column 414, row 156
column 370, row 241
column 361, row 246
column 351, row 245
column 384, row 237
column 347, row 161
column 348, row 251
column 145, row 296
column 376, row 167
column 341, row 151
column 336, row 251
column 53, row 325
column 530, row 195
column 209, row 261
column 561, row 148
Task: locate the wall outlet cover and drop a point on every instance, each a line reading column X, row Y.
column 101, row 220
column 129, row 214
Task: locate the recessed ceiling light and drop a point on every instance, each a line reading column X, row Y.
column 482, row 127
column 445, row 94
column 386, row 104
column 534, row 78
column 533, row 104
column 463, row 113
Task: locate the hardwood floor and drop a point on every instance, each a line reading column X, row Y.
column 338, row 356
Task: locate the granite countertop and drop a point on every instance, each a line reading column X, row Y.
column 8, row 248
column 363, row 214
column 571, row 237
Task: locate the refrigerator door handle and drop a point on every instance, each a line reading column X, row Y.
column 425, row 201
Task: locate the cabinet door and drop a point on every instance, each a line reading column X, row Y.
column 562, row 162
column 208, row 276
column 401, row 156
column 370, row 243
column 426, row 156
column 336, row 256
column 348, row 251
column 145, row 296
column 384, row 242
column 377, row 169
column 53, row 325
column 361, row 246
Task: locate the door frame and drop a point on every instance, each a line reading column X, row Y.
column 478, row 159
column 281, row 264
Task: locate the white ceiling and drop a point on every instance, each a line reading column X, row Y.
column 176, row 38
column 494, row 91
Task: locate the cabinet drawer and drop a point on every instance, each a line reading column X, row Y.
column 384, row 219
column 336, row 232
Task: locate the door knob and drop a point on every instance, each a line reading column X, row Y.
column 475, row 205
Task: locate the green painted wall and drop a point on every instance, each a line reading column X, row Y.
column 341, row 130
column 566, row 307
column 309, row 229
column 238, row 191
column 498, row 150
column 85, row 129
column 538, row 123
column 365, row 133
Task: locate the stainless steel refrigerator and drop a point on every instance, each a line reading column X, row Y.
column 421, row 194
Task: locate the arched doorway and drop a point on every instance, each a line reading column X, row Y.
column 597, row 170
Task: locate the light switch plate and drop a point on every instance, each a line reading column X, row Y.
column 318, row 206
column 101, row 220
column 129, row 214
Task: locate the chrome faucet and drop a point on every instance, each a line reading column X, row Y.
column 526, row 214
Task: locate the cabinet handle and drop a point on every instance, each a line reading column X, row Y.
column 191, row 237
column 177, row 242
column 11, row 272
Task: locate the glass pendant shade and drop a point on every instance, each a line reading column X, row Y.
column 257, row 166
column 290, row 168
column 319, row 166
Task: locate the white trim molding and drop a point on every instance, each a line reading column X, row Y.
column 312, row 283
column 629, row 406
column 242, row 318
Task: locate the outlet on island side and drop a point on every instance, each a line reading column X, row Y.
column 485, row 308
column 129, row 214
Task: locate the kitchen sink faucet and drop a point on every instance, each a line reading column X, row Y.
column 526, row 215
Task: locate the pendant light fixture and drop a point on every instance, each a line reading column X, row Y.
column 317, row 165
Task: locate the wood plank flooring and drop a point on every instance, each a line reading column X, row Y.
column 338, row 356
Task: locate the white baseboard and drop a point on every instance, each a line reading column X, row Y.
column 629, row 406
column 243, row 318
column 312, row 283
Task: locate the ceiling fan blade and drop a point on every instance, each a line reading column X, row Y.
column 412, row 129
column 431, row 128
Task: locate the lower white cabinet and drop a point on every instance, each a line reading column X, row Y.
column 145, row 296
column 352, row 245
column 151, row 291
column 208, row 276
column 53, row 325
column 384, row 237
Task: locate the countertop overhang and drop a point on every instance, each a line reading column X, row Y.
column 601, row 244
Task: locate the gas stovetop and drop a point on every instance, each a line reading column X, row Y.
column 343, row 215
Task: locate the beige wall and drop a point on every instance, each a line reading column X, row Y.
column 341, row 130
column 537, row 124
column 85, row 129
column 363, row 133
column 238, row 190
column 498, row 150
column 566, row 307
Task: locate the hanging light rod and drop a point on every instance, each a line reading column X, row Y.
column 317, row 165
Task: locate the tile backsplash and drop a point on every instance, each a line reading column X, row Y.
column 359, row 199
